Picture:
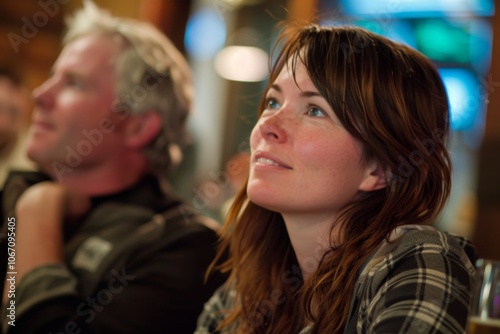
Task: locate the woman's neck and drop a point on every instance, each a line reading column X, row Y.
column 310, row 238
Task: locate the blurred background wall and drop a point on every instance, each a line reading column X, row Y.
column 228, row 42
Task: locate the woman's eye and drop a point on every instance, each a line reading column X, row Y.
column 272, row 104
column 315, row 112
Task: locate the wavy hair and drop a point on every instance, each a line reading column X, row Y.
column 151, row 74
column 392, row 100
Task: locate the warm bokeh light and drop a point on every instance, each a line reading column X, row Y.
column 242, row 63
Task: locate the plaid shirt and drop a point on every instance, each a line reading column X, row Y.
column 418, row 282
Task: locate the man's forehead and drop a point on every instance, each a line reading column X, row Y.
column 89, row 52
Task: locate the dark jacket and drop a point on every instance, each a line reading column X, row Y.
column 136, row 264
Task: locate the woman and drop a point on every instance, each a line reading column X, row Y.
column 348, row 169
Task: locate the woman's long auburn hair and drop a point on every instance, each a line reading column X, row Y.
column 392, row 100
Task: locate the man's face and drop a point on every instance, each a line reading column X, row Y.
column 73, row 122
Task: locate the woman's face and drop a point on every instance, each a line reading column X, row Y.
column 303, row 161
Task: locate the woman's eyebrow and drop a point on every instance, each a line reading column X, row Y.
column 310, row 94
column 276, row 87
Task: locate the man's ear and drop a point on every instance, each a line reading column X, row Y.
column 142, row 128
column 376, row 177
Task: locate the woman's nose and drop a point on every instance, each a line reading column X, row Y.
column 275, row 127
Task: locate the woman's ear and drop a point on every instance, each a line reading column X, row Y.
column 142, row 128
column 376, row 177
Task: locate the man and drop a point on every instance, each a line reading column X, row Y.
column 99, row 247
column 13, row 123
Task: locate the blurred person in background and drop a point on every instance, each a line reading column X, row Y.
column 332, row 232
column 101, row 243
column 237, row 172
column 14, row 104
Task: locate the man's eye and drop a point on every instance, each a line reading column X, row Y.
column 74, row 84
column 315, row 112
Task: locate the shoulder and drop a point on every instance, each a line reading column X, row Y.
column 188, row 235
column 418, row 234
column 144, row 242
column 177, row 218
column 183, row 220
column 413, row 247
column 421, row 269
column 425, row 239
column 422, row 239
column 137, row 230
